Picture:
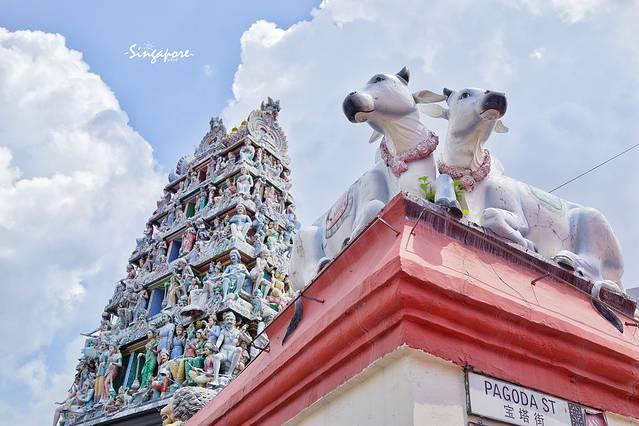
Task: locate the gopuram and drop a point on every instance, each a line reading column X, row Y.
column 437, row 290
column 209, row 273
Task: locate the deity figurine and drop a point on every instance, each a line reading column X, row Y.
column 193, row 178
column 244, row 183
column 150, row 358
column 194, row 354
column 227, row 343
column 259, row 157
column 211, row 197
column 130, row 271
column 184, row 274
column 213, row 329
column 162, row 381
column 277, row 292
column 247, row 152
column 230, row 188
column 179, row 214
column 114, row 364
column 198, row 295
column 170, row 216
column 203, row 233
column 173, row 291
column 272, row 236
column 202, row 376
column 142, row 302
column 165, row 334
column 235, row 274
column 230, row 159
column 240, row 223
column 258, row 190
column 257, row 272
column 200, row 204
column 178, row 342
column 178, row 345
column 188, row 240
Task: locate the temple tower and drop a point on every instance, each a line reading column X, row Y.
column 206, row 277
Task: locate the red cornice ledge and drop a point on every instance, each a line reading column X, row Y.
column 421, row 288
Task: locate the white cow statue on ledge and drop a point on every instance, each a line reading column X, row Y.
column 576, row 237
column 406, row 148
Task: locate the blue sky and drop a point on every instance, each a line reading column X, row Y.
column 87, row 135
column 170, row 104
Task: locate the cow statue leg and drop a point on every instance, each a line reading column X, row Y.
column 595, row 251
column 508, row 225
column 307, row 256
column 371, row 210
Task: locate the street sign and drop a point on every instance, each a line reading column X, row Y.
column 513, row 404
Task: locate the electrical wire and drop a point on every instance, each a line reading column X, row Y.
column 594, row 168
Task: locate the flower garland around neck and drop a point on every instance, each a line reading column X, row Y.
column 399, row 163
column 467, row 178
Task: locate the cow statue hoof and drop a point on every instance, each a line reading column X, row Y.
column 445, row 196
column 452, row 207
column 323, row 263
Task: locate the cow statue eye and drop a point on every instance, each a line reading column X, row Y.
column 464, row 95
column 379, row 78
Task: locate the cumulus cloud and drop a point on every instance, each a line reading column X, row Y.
column 76, row 185
column 567, row 112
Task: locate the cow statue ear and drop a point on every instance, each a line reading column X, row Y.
column 375, row 136
column 435, row 111
column 427, row 97
column 500, row 127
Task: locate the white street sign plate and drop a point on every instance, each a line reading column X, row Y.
column 514, row 404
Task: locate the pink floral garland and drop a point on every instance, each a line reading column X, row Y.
column 399, row 163
column 468, row 178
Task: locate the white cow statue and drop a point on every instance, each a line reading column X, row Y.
column 405, row 154
column 576, row 237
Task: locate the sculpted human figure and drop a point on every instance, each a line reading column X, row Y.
column 257, row 272
column 202, row 376
column 162, row 381
column 228, row 346
column 240, row 223
column 170, row 216
column 194, row 354
column 188, row 239
column 103, row 363
column 247, row 152
column 150, row 358
column 114, row 364
column 235, row 274
column 173, row 292
column 230, row 188
column 244, row 183
column 213, row 329
column 165, row 334
column 200, row 204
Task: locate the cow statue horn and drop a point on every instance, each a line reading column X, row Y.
column 404, row 74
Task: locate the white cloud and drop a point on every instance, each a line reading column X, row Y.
column 567, row 112
column 76, row 185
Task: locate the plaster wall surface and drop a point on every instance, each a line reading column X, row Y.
column 406, row 387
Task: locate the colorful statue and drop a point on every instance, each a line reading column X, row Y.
column 235, row 274
column 240, row 224
column 150, row 359
column 244, row 183
column 228, row 346
column 247, row 152
column 114, row 365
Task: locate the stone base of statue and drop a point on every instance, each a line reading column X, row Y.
column 424, row 319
